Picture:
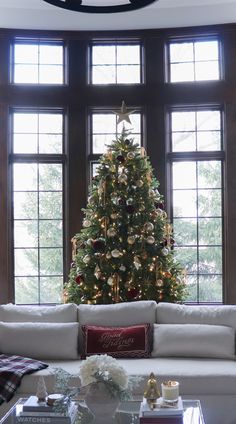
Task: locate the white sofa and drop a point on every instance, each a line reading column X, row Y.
column 192, row 344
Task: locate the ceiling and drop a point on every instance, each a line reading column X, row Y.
column 37, row 14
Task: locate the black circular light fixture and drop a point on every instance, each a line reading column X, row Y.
column 81, row 6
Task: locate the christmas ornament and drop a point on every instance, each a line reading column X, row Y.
column 142, row 208
column 148, row 226
column 90, row 242
column 115, row 253
column 131, row 239
column 110, row 281
column 114, row 215
column 99, row 244
column 86, row 223
column 123, row 178
column 111, row 232
column 97, row 272
column 151, row 192
column 127, row 142
column 150, row 240
column 123, row 115
column 137, row 263
column 114, row 198
column 165, row 251
column 131, row 155
column 130, row 201
column 159, row 283
column 133, row 292
column 121, row 201
column 130, row 209
column 122, row 268
column 108, row 255
column 120, row 158
column 139, row 183
column 159, row 205
column 86, row 259
column 79, row 279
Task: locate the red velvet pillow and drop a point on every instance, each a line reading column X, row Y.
column 119, row 342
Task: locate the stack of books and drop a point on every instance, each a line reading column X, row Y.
column 162, row 413
column 34, row 412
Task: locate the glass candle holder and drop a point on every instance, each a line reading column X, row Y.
column 170, row 391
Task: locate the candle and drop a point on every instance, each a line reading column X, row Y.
column 170, row 391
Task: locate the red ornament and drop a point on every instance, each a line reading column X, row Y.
column 130, row 209
column 133, row 292
column 99, row 245
column 120, row 158
column 79, row 279
column 159, row 205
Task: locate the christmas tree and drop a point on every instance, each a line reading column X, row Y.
column 124, row 251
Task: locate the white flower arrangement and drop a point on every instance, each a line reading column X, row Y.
column 106, row 369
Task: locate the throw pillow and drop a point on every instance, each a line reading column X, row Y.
column 58, row 313
column 119, row 342
column 193, row 340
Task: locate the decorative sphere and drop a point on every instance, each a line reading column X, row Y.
column 115, row 253
column 131, row 239
column 165, row 251
column 110, row 281
column 108, row 255
column 159, row 283
column 121, row 201
column 114, row 198
column 148, row 226
column 133, row 292
column 131, row 155
column 114, row 215
column 86, row 259
column 122, row 268
column 86, row 223
column 120, row 158
column 79, row 279
column 111, row 232
column 139, row 183
column 99, row 244
column 130, row 201
column 150, row 240
column 130, row 209
column 127, row 142
column 122, row 178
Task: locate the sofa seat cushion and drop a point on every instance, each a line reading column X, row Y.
column 58, row 313
column 196, row 375
column 171, row 313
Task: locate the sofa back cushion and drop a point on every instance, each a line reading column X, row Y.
column 170, row 313
column 59, row 313
column 40, row 340
column 117, row 315
column 193, row 340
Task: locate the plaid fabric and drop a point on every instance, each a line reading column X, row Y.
column 12, row 370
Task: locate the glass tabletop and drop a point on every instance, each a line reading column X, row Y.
column 127, row 412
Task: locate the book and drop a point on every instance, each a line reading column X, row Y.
column 161, row 409
column 51, row 413
column 161, row 420
column 31, row 417
column 32, row 404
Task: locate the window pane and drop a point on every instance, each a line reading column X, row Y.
column 51, row 261
column 51, row 289
column 183, row 121
column 116, row 64
column 210, row 232
column 184, row 175
column 185, row 203
column 38, row 63
column 26, row 233
column 194, row 61
column 25, row 177
column 25, row 143
column 210, row 288
column 184, row 141
column 185, row 231
column 26, row 290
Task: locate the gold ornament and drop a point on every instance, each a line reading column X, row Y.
column 148, row 226
column 86, row 223
column 97, row 272
column 137, row 262
column 111, row 232
column 110, row 281
column 159, row 283
column 108, row 255
column 86, row 259
column 123, row 178
column 116, row 253
column 114, row 215
column 131, row 240
column 130, row 155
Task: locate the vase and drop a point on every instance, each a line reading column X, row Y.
column 100, row 402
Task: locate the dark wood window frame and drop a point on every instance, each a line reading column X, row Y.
column 154, row 96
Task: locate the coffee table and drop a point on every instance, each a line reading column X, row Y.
column 127, row 412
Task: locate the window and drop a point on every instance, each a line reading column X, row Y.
column 197, row 199
column 116, row 64
column 104, row 129
column 194, row 60
column 37, row 163
column 38, row 63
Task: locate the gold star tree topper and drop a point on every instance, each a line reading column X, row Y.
column 123, row 114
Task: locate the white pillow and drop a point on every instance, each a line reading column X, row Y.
column 118, row 315
column 58, row 313
column 171, row 313
column 40, row 340
column 193, row 340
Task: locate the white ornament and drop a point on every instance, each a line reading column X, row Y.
column 115, row 253
column 165, row 251
column 148, row 226
column 131, row 239
column 86, row 259
column 122, row 268
column 130, row 155
column 108, row 255
column 86, row 223
column 111, row 232
column 150, row 240
column 110, row 281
